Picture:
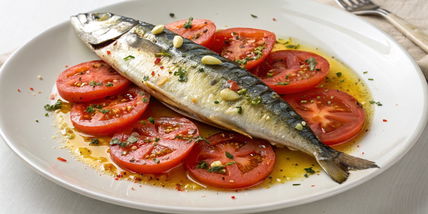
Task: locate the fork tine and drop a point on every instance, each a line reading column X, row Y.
column 343, row 4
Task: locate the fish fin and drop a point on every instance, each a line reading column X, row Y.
column 229, row 126
column 338, row 166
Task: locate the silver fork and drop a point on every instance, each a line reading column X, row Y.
column 364, row 7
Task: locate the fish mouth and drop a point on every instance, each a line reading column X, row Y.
column 100, row 29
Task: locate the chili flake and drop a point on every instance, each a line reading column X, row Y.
column 61, row 159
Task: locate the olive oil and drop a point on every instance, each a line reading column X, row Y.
column 290, row 166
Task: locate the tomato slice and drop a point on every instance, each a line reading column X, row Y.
column 335, row 116
column 231, row 160
column 246, row 46
column 154, row 145
column 110, row 114
column 90, row 81
column 199, row 31
column 292, row 71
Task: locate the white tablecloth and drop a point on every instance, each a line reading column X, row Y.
column 401, row 189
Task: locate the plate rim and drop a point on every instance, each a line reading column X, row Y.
column 242, row 208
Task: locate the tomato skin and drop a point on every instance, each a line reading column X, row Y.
column 98, row 123
column 254, row 160
column 290, row 71
column 137, row 157
column 81, row 83
column 238, row 43
column 201, row 31
column 334, row 116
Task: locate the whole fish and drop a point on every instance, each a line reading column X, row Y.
column 176, row 76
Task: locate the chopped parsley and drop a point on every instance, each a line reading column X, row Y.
column 104, row 111
column 239, row 109
column 365, row 72
column 182, row 75
column 172, row 15
column 230, row 163
column 109, row 84
column 53, row 107
column 375, row 102
column 338, row 74
column 90, row 109
column 129, row 57
column 95, row 83
column 312, row 63
column 161, row 54
column 293, row 46
column 217, row 169
column 202, row 165
column 132, row 139
column 296, row 184
column 94, row 141
column 145, row 78
column 309, row 170
column 151, row 120
column 201, row 70
column 228, row 155
column 254, row 16
column 188, row 23
column 116, row 141
column 145, row 100
column 216, row 102
column 371, row 79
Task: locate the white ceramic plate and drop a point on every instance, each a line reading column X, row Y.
column 398, row 84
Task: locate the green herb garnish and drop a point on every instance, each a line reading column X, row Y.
column 94, row 141
column 188, row 23
column 202, row 165
column 151, row 120
column 338, row 74
column 182, row 75
column 53, row 107
column 312, row 63
column 254, row 16
column 129, row 57
column 228, row 155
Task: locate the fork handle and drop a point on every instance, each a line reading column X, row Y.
column 409, row 30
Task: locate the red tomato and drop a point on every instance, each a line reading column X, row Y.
column 154, row 145
column 334, row 116
column 246, row 46
column 292, row 71
column 110, row 114
column 90, row 81
column 231, row 160
column 199, row 31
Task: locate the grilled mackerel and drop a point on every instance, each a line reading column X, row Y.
column 177, row 77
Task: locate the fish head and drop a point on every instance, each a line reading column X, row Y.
column 98, row 28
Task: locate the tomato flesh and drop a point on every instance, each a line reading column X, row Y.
column 246, row 46
column 244, row 162
column 154, row 145
column 334, row 116
column 110, row 114
column 199, row 31
column 292, row 71
column 90, row 81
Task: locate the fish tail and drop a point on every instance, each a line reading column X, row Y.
column 337, row 166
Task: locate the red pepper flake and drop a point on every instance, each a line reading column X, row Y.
column 116, row 178
column 161, row 67
column 108, row 52
column 179, row 187
column 61, row 159
column 274, row 19
column 52, row 96
column 19, row 90
column 153, row 73
column 362, row 153
column 31, row 89
column 157, row 61
column 385, row 120
column 233, row 85
column 233, row 197
column 66, row 66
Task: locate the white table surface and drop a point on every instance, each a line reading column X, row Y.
column 401, row 189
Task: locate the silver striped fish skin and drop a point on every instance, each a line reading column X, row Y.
column 181, row 81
